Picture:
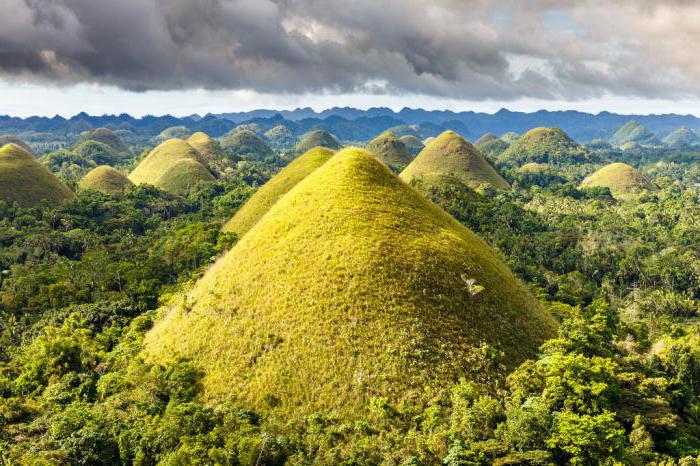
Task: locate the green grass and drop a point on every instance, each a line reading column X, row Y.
column 412, row 143
column 180, row 132
column 544, row 145
column 106, row 136
column 280, row 136
column 451, row 154
column 166, row 157
column 279, row 185
column 491, row 145
column 681, row 137
column 207, row 146
column 352, row 286
column 633, row 131
column 488, row 137
column 624, row 182
column 533, row 167
column 390, row 151
column 105, row 179
column 247, row 144
column 26, row 181
column 316, row 138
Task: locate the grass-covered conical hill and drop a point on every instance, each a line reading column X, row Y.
column 624, row 181
column 450, row 154
column 633, row 131
column 279, row 185
column 246, row 144
column 105, row 136
column 207, row 146
column 390, row 151
column 544, row 145
column 316, row 138
column 681, row 138
column 105, row 179
column 352, row 286
column 26, row 181
column 166, row 157
column 491, row 145
column 412, row 143
column 9, row 139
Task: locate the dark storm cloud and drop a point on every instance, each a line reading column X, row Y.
column 476, row 49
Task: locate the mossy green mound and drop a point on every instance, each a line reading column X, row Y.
column 544, row 145
column 413, row 144
column 390, row 151
column 105, row 179
column 624, row 182
column 510, row 137
column 208, row 147
column 179, row 132
column 279, row 185
column 491, row 145
column 280, row 137
column 633, row 131
column 681, row 137
column 352, row 286
column 246, row 144
column 105, row 136
column 26, row 181
column 9, row 139
column 451, row 154
column 488, row 137
column 155, row 168
column 316, row 138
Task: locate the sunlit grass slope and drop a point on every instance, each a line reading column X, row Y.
column 533, row 167
column 390, row 151
column 207, row 146
column 155, row 168
column 316, row 138
column 352, row 286
column 105, row 179
column 451, row 154
column 412, row 143
column 106, row 136
column 247, row 144
column 279, row 185
column 624, row 181
column 9, row 139
column 544, row 145
column 26, row 181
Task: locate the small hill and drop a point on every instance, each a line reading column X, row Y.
column 26, row 181
column 633, row 131
column 544, row 145
column 9, row 139
column 105, row 179
column 246, row 144
column 269, row 193
column 208, row 147
column 624, row 181
column 451, row 154
column 405, row 130
column 362, row 289
column 413, row 144
column 155, row 168
column 533, row 167
column 510, row 137
column 317, row 138
column 390, row 151
column 179, row 132
column 681, row 137
column 491, row 145
column 280, row 137
column 107, row 137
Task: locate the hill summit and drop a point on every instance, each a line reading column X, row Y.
column 246, row 144
column 105, row 179
column 450, row 155
column 316, row 138
column 390, row 151
column 279, row 185
column 624, row 181
column 26, row 181
column 544, row 145
column 633, row 131
column 681, row 137
column 107, row 137
column 362, row 288
column 173, row 166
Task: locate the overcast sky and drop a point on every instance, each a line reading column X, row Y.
column 199, row 56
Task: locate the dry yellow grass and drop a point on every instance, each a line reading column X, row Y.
column 105, row 179
column 624, row 182
column 26, row 181
column 352, row 286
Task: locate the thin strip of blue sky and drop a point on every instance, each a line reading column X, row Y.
column 23, row 99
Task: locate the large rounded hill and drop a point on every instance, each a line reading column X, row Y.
column 390, row 151
column 26, row 181
column 173, row 166
column 105, row 179
column 352, row 286
column 450, row 155
column 544, row 145
column 316, row 138
column 246, row 144
column 269, row 193
column 624, row 181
